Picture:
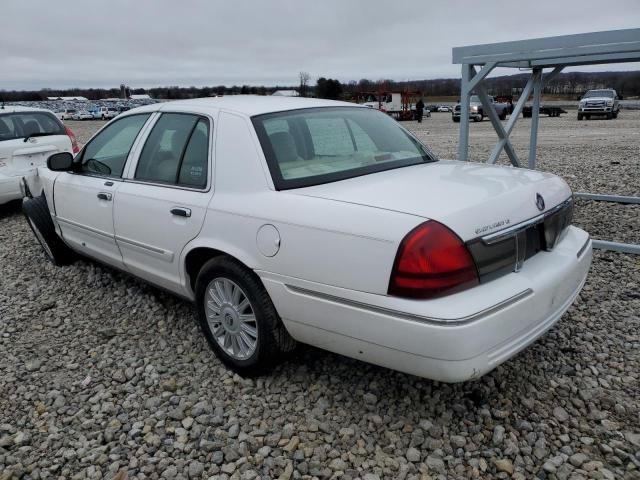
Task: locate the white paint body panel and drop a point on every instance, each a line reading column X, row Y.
column 338, row 241
column 20, row 159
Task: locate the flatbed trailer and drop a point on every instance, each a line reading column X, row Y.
column 544, row 110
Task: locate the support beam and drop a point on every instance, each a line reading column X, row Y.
column 535, row 117
column 513, row 118
column 497, row 125
column 465, row 94
column 617, row 247
column 551, row 75
column 481, row 75
column 608, row 198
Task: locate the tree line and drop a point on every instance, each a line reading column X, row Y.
column 570, row 84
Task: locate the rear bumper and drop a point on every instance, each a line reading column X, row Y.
column 452, row 339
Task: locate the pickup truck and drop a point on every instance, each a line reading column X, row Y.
column 603, row 102
column 476, row 110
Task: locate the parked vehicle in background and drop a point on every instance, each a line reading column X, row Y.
column 476, row 109
column 549, row 110
column 602, row 102
column 67, row 113
column 444, row 108
column 82, row 115
column 27, row 137
column 326, row 223
column 397, row 105
column 107, row 113
column 95, row 113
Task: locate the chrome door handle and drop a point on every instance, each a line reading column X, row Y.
column 181, row 212
column 105, row 196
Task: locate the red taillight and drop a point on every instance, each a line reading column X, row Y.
column 72, row 137
column 432, row 261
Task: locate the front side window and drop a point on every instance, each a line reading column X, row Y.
column 106, row 154
column 319, row 145
column 25, row 124
column 176, row 152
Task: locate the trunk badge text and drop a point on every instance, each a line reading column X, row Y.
column 539, row 202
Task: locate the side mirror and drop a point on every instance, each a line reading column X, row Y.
column 60, row 162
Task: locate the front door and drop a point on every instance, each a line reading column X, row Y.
column 161, row 207
column 84, row 200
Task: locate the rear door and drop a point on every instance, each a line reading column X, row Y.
column 84, row 200
column 161, row 206
column 27, row 139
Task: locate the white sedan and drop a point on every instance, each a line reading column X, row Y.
column 27, row 137
column 292, row 219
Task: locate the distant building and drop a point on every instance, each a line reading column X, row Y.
column 286, row 93
column 139, row 97
column 69, row 99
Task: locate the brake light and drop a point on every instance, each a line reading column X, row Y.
column 432, row 261
column 72, row 137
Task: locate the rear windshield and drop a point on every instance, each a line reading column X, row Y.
column 24, row 124
column 320, row 145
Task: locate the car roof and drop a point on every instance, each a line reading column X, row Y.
column 19, row 108
column 249, row 105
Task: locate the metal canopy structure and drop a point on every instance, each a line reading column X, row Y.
column 555, row 53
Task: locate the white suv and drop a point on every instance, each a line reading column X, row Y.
column 107, row 113
column 27, row 137
column 322, row 222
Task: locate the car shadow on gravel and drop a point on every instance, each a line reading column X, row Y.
column 10, row 209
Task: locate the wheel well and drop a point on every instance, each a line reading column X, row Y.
column 196, row 258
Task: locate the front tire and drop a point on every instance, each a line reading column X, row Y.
column 38, row 217
column 238, row 318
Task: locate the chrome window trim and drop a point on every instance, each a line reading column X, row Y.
column 411, row 316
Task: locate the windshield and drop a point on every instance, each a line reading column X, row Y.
column 320, row 145
column 24, row 124
column 474, row 99
column 598, row 93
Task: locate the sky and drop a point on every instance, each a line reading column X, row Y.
column 146, row 43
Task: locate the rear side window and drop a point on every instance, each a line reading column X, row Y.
column 106, row 154
column 176, row 151
column 24, row 124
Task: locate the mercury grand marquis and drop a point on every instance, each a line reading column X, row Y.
column 296, row 220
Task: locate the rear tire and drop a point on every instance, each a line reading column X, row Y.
column 36, row 211
column 456, row 119
column 615, row 114
column 238, row 318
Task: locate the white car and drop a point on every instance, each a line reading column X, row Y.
column 27, row 137
column 66, row 113
column 107, row 113
column 82, row 115
column 294, row 219
column 444, row 108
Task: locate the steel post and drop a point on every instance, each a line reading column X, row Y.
column 465, row 94
column 535, row 116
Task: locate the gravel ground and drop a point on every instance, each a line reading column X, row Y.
column 104, row 374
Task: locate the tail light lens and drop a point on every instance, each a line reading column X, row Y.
column 432, row 261
column 72, row 137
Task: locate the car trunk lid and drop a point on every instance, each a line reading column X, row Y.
column 472, row 199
